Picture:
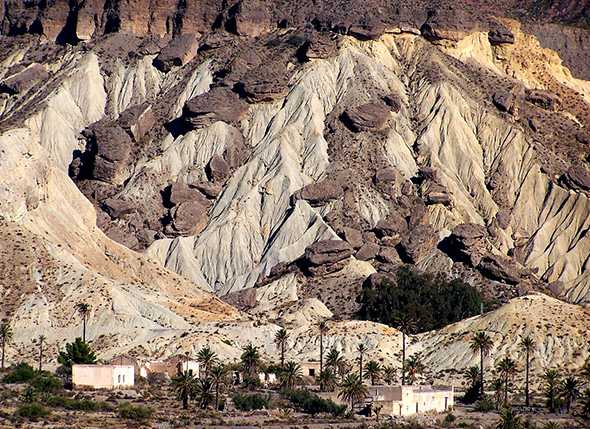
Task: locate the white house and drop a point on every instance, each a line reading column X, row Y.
column 409, row 400
column 103, row 376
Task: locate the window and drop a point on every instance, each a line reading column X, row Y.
column 119, row 378
column 312, row 372
column 123, row 377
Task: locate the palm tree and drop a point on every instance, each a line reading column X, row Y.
column 509, row 420
column 498, row 388
column 42, row 339
column 203, row 392
column 389, row 374
column 219, row 378
column 414, row 367
column 5, row 337
column 482, row 343
column 506, row 367
column 551, row 378
column 327, row 379
column 527, row 345
column 184, row 386
column 250, row 359
column 361, row 348
column 323, row 328
column 352, row 390
column 472, row 375
column 585, row 372
column 281, row 338
column 406, row 325
column 84, row 310
column 290, row 375
column 335, row 360
column 570, row 390
column 372, row 371
column 207, row 358
column 585, row 411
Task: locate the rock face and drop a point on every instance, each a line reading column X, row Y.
column 230, row 145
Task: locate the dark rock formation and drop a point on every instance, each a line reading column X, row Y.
column 417, row 244
column 353, row 237
column 249, row 18
column 577, row 177
column 500, row 268
column 108, row 151
column 118, row 208
column 217, row 169
column 366, row 117
column 320, row 193
column 24, row 80
column 393, row 101
column 137, row 120
column 467, row 243
column 218, row 104
column 543, row 99
column 500, row 35
column 393, row 224
column 508, row 102
column 327, row 252
column 177, row 53
column 367, row 251
column 189, row 218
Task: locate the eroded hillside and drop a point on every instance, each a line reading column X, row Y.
column 279, row 157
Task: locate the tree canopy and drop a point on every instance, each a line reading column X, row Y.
column 418, row 302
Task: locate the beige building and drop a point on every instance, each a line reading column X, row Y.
column 408, row 400
column 171, row 367
column 310, row 369
column 103, row 376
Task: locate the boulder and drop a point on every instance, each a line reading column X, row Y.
column 370, row 31
column 392, row 225
column 180, row 51
column 137, row 120
column 327, row 252
column 24, row 80
column 366, row 117
column 367, row 251
column 543, row 99
column 507, row 101
column 117, row 208
column 108, row 151
column 388, row 255
column 437, row 194
column 376, row 280
column 217, row 169
column 249, row 18
column 467, row 243
column 353, row 237
column 218, row 104
column 387, row 180
column 501, row 269
column 210, row 190
column 320, row 193
column 577, row 177
column 318, row 46
column 180, row 192
column 419, row 243
column 265, row 83
column 500, row 35
column 503, row 219
column 189, row 218
column 393, row 101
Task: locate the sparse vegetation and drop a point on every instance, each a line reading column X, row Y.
column 33, row 411
column 78, row 352
column 134, row 412
column 21, row 373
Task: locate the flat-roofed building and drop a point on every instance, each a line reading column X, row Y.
column 416, row 399
column 103, row 376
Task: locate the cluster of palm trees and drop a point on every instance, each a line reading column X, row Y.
column 559, row 391
column 207, row 386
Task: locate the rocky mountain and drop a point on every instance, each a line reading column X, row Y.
column 204, row 171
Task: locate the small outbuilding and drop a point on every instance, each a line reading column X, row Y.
column 103, row 376
column 415, row 399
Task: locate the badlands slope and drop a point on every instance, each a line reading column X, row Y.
column 276, row 167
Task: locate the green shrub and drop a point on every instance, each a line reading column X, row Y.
column 134, row 412
column 77, row 404
column 32, row 411
column 21, row 373
column 485, row 405
column 310, row 403
column 46, row 383
column 431, row 301
column 250, row 402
